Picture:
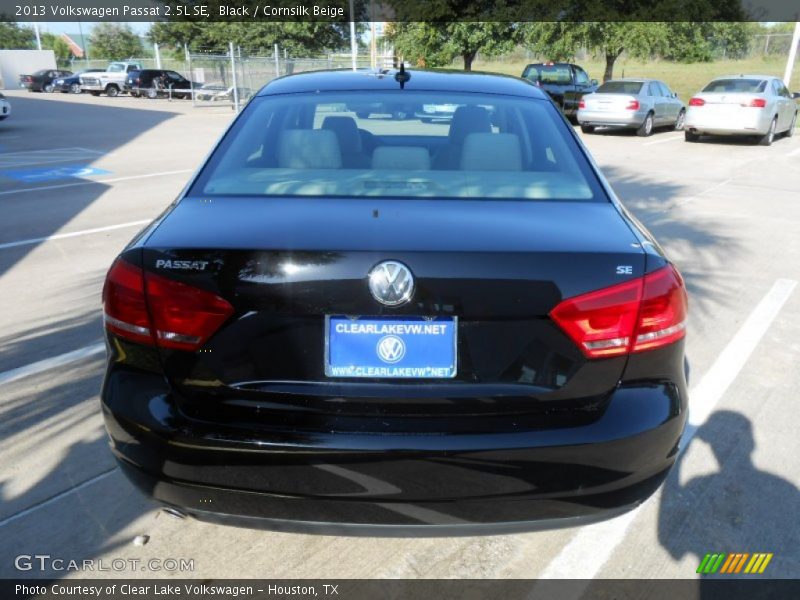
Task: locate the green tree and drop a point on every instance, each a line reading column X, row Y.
column 297, row 38
column 16, row 37
column 114, row 41
column 698, row 42
column 560, row 40
column 437, row 44
column 59, row 47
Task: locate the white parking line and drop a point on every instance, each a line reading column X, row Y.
column 51, row 363
column 94, row 181
column 57, row 497
column 663, row 140
column 61, row 236
column 589, row 550
column 39, row 157
column 688, row 199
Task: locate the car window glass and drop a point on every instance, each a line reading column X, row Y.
column 553, row 74
column 444, row 145
column 738, row 85
column 581, row 78
column 665, row 91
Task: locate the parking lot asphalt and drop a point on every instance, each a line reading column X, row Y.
column 79, row 176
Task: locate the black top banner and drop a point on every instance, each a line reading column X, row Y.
column 399, row 10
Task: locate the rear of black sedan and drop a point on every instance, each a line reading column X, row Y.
column 396, row 325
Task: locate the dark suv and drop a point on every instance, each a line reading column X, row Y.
column 565, row 83
column 158, row 82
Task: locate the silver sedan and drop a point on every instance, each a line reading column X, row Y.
column 756, row 105
column 640, row 104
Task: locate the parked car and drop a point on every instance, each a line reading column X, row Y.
column 158, row 82
column 440, row 330
column 72, row 83
column 755, row 105
column 5, row 108
column 42, row 81
column 640, row 104
column 216, row 92
column 111, row 81
column 565, row 83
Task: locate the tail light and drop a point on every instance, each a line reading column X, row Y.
column 157, row 311
column 582, row 104
column 757, row 103
column 634, row 316
column 696, row 102
column 633, row 105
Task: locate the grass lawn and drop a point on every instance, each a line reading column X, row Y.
column 686, row 79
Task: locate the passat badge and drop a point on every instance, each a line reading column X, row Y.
column 182, row 265
column 391, row 283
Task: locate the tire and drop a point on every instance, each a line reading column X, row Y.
column 75, row 88
column 790, row 131
column 680, row 121
column 587, row 128
column 112, row 91
column 646, row 128
column 690, row 137
column 769, row 137
column 49, row 88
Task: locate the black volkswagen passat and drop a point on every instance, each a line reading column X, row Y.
column 396, row 325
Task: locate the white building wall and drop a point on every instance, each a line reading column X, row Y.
column 14, row 63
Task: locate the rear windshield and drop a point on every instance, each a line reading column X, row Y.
column 746, row 86
column 620, row 87
column 400, row 145
column 548, row 73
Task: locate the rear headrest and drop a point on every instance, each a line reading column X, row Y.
column 346, row 131
column 309, row 149
column 491, row 152
column 467, row 120
column 412, row 158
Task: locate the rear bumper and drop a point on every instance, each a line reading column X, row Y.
column 611, row 119
column 342, row 481
column 751, row 121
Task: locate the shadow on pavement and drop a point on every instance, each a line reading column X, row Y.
column 739, row 509
column 41, row 124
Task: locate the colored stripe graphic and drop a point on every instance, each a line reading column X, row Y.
column 734, row 563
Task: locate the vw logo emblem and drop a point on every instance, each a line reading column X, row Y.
column 391, row 283
column 391, row 349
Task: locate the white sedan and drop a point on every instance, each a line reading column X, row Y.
column 755, row 105
column 5, row 108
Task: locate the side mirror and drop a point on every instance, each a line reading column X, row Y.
column 594, row 82
column 674, row 94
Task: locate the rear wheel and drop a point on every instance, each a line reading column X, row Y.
column 587, row 128
column 49, row 88
column 690, row 137
column 680, row 120
column 75, row 88
column 112, row 91
column 769, row 137
column 646, row 128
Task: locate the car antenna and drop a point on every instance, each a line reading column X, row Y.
column 401, row 76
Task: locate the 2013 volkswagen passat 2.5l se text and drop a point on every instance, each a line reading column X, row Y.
column 392, row 325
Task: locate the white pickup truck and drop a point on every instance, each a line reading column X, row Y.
column 111, row 81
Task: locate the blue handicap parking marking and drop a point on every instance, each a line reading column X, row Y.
column 40, row 174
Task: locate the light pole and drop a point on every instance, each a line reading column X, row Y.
column 353, row 47
column 38, row 39
column 787, row 75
